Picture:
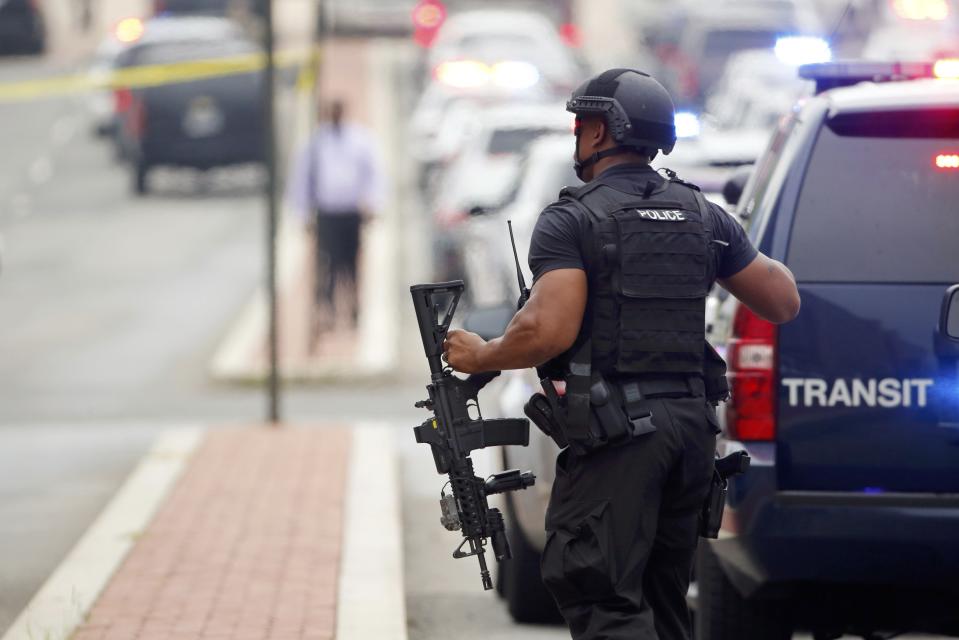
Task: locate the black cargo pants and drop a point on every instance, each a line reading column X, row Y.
column 622, row 527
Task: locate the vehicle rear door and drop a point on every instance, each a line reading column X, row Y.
column 868, row 382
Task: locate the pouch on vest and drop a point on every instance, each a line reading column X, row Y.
column 545, row 411
column 714, row 376
column 661, row 276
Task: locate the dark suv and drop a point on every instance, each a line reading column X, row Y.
column 848, row 520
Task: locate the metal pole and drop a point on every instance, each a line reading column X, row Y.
column 273, row 411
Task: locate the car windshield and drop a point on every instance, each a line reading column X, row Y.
column 486, row 41
column 514, row 140
column 879, row 200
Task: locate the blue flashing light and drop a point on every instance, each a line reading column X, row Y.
column 799, row 50
column 873, row 490
column 830, row 75
column 687, row 124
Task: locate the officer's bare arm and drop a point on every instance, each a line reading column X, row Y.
column 545, row 327
column 767, row 287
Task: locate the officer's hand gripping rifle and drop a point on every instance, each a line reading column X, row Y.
column 452, row 434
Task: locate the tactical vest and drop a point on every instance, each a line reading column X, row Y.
column 650, row 264
column 650, row 269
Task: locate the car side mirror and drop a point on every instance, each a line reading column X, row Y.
column 489, row 322
column 949, row 321
column 733, row 189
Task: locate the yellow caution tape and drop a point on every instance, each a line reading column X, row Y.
column 155, row 75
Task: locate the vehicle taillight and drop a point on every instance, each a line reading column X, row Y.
column 751, row 357
column 122, row 99
column 947, row 161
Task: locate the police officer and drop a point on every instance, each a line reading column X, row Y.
column 615, row 319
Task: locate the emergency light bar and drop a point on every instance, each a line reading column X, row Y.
column 830, row 75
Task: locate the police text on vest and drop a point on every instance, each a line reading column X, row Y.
column 887, row 392
column 663, row 215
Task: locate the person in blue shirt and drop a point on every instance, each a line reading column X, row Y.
column 336, row 186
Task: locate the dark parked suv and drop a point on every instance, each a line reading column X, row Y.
column 209, row 113
column 848, row 520
column 22, row 27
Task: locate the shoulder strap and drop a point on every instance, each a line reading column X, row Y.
column 576, row 193
column 578, row 381
column 703, row 211
column 579, row 373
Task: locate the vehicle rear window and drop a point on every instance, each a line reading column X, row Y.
column 514, row 140
column 874, row 205
column 188, row 50
column 193, row 6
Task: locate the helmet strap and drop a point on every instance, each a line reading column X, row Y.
column 580, row 165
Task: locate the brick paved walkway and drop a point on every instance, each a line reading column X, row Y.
column 246, row 546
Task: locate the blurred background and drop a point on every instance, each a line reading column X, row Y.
column 133, row 224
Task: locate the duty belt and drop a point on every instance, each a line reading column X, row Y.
column 655, row 385
column 636, row 390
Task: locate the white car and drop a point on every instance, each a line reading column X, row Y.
column 486, row 169
column 712, row 35
column 483, row 173
column 471, row 48
column 548, row 168
column 488, row 256
column 756, row 89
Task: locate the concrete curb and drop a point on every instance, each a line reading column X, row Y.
column 63, row 602
column 371, row 601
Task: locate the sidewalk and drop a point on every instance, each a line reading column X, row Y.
column 259, row 533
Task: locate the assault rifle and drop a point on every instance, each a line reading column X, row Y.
column 453, row 434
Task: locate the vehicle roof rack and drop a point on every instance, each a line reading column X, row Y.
column 830, row 75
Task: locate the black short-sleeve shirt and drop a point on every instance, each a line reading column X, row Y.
column 557, row 237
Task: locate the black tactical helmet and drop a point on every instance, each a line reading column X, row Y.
column 637, row 109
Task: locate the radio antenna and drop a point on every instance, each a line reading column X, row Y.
column 523, row 291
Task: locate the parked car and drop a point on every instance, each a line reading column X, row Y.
column 490, row 271
column 22, row 27
column 200, row 123
column 757, row 88
column 483, row 174
column 502, row 49
column 711, row 35
column 847, row 520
